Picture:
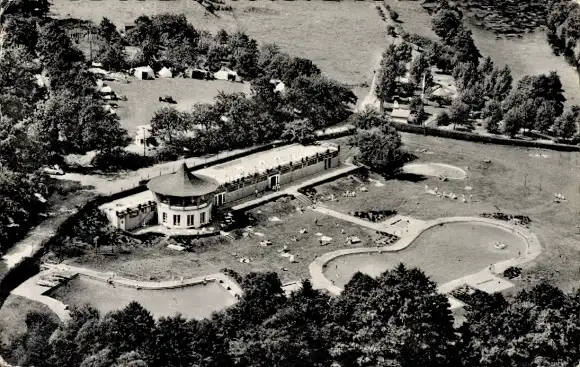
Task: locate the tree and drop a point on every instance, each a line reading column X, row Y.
column 503, row 84
column 418, row 110
column 459, row 113
column 127, row 330
column 446, row 23
column 113, row 56
column 464, row 47
column 443, row 119
column 108, row 31
column 380, row 149
column 101, row 359
column 299, row 131
column 368, row 118
column 545, row 115
column 33, row 348
column 493, row 114
column 321, row 100
column 172, row 340
column 514, row 120
column 567, row 125
column 419, row 67
column 168, row 124
column 130, row 359
column 28, row 8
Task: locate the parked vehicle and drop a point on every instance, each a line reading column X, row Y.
column 53, row 170
column 167, row 99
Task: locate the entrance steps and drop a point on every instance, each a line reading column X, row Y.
column 302, row 199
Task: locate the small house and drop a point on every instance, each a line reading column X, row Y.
column 400, row 115
column 143, row 135
column 144, row 73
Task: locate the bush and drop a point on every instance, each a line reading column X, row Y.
column 393, row 14
column 233, row 274
column 512, row 272
column 119, row 159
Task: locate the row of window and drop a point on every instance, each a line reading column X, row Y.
column 190, row 219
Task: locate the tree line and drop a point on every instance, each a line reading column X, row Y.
column 396, row 319
column 485, row 90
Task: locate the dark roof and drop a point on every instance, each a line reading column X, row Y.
column 182, row 184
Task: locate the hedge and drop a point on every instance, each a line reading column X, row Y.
column 416, row 129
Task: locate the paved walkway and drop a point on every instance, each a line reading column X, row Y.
column 319, row 281
column 107, row 185
column 292, row 190
column 32, row 290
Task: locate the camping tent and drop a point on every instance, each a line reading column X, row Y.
column 165, row 73
column 106, row 90
column 144, row 73
column 227, row 74
column 198, row 74
column 98, row 71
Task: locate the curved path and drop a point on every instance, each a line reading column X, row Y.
column 319, row 280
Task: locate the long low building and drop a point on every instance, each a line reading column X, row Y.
column 186, row 199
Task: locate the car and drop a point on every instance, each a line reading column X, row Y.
column 53, row 170
column 167, row 99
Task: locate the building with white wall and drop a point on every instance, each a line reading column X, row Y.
column 186, row 199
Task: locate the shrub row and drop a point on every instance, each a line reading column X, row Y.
column 415, row 129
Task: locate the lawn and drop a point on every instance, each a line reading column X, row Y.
column 212, row 255
column 517, row 181
column 13, row 315
column 444, row 253
column 143, row 96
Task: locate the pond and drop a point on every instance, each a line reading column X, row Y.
column 197, row 301
column 444, row 253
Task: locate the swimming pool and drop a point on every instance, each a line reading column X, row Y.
column 444, row 252
column 195, row 301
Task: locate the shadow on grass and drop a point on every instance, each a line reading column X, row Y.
column 411, row 177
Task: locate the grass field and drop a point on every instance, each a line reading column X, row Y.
column 162, row 263
column 517, row 181
column 143, row 96
column 344, row 39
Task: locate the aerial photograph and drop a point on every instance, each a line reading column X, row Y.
column 289, row 183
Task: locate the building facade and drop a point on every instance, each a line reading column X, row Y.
column 187, row 200
column 184, row 199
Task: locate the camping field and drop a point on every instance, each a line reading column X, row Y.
column 345, row 39
column 143, row 96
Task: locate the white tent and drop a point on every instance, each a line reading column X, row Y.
column 106, row 90
column 165, row 73
column 144, row 73
column 98, row 71
column 227, row 74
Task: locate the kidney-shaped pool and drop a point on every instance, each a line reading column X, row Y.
column 444, row 252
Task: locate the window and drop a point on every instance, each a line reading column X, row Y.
column 219, row 199
column 176, row 220
column 190, row 220
column 164, row 217
column 202, row 217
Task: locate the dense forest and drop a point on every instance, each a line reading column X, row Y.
column 397, row 319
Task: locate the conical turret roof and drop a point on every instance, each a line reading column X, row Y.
column 182, row 183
